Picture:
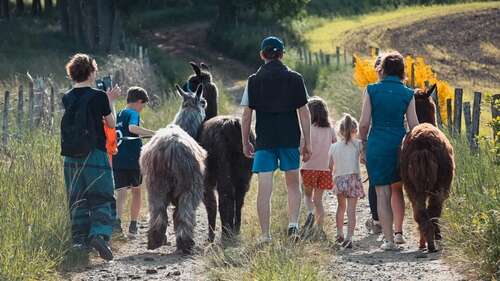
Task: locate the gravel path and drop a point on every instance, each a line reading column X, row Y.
column 134, row 262
column 366, row 261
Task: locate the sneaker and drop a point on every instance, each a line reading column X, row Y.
column 389, row 246
column 347, row 244
column 263, row 240
column 293, row 234
column 309, row 222
column 117, row 227
column 399, row 239
column 133, row 229
column 102, row 247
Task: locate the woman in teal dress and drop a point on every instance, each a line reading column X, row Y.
column 385, row 105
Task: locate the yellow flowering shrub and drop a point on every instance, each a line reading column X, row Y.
column 364, row 74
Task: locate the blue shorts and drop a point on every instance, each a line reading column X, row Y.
column 266, row 160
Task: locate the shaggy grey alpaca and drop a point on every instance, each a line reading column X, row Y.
column 173, row 164
column 227, row 169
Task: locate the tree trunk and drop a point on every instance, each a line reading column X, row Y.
column 63, row 9
column 4, row 9
column 90, row 25
column 19, row 7
column 105, row 17
column 49, row 5
column 117, row 33
column 36, row 7
column 227, row 11
column 75, row 20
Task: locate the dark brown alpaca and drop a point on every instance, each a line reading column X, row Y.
column 427, row 168
column 227, row 169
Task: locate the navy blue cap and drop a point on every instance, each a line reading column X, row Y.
column 272, row 42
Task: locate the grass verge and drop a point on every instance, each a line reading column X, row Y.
column 472, row 214
column 278, row 260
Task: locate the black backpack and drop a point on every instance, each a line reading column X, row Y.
column 78, row 135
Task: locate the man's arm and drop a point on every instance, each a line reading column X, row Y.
column 246, row 123
column 305, row 123
column 134, row 129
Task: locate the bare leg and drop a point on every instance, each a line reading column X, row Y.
column 351, row 217
column 398, row 206
column 341, row 208
column 318, row 204
column 308, row 200
column 294, row 195
column 264, row 202
column 121, row 199
column 136, row 203
column 385, row 211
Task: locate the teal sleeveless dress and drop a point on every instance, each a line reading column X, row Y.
column 389, row 101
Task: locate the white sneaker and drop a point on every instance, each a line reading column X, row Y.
column 264, row 240
column 389, row 246
column 399, row 239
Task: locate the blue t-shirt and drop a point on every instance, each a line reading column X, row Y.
column 128, row 150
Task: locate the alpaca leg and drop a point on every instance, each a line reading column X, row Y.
column 226, row 211
column 185, row 220
column 158, row 220
column 422, row 219
column 211, row 207
column 434, row 210
column 241, row 187
column 240, row 200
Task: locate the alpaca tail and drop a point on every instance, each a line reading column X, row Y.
column 423, row 169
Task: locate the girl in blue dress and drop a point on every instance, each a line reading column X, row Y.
column 384, row 107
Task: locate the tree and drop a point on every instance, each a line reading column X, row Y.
column 36, row 7
column 4, row 9
column 49, row 5
column 63, row 9
column 230, row 11
column 19, row 7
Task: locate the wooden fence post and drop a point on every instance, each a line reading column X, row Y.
column 31, row 101
column 327, row 58
column 476, row 118
column 338, row 56
column 321, row 57
column 20, row 109
column 449, row 116
column 439, row 119
column 377, row 51
column 299, row 50
column 353, row 61
column 495, row 112
column 345, row 56
column 457, row 111
column 468, row 123
column 316, row 58
column 52, row 109
column 310, row 57
column 5, row 123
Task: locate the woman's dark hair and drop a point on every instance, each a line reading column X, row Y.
column 345, row 127
column 80, row 66
column 319, row 112
column 272, row 54
column 393, row 64
column 137, row 94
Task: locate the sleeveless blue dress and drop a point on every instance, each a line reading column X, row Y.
column 389, row 101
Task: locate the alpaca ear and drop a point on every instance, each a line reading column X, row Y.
column 204, row 66
column 199, row 91
column 432, row 89
column 195, row 67
column 180, row 91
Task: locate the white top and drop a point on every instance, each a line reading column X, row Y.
column 345, row 157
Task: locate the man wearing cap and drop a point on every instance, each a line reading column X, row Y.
column 279, row 98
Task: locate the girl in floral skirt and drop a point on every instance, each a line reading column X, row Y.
column 344, row 160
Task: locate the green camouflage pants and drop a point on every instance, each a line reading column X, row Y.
column 90, row 189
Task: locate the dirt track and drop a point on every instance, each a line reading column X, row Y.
column 462, row 48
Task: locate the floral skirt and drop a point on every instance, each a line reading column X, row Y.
column 349, row 186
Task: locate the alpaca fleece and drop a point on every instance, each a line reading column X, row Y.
column 427, row 169
column 228, row 171
column 173, row 164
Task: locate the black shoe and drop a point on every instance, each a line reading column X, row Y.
column 102, row 247
column 293, row 234
column 117, row 227
column 309, row 222
column 133, row 229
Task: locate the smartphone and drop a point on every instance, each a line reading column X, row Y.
column 104, row 84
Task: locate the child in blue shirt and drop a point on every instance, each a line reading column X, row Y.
column 126, row 169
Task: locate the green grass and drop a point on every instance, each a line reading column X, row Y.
column 331, row 33
column 472, row 214
column 279, row 260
